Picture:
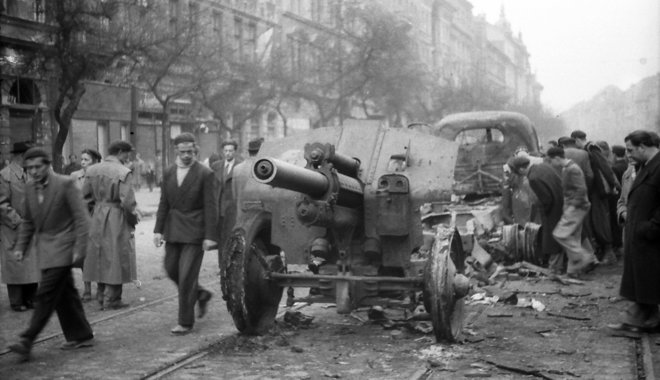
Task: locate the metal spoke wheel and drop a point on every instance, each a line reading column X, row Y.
column 445, row 288
column 252, row 299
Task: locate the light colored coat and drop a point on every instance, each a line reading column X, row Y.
column 111, row 248
column 12, row 208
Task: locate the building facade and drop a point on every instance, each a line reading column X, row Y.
column 450, row 41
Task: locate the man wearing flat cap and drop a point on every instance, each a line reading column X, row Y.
column 21, row 277
column 186, row 222
column 56, row 216
column 110, row 260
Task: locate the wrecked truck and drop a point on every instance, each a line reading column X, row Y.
column 345, row 202
column 489, row 194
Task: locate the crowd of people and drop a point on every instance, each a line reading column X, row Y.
column 598, row 205
column 51, row 223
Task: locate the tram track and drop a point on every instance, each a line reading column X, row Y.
column 108, row 317
column 168, row 368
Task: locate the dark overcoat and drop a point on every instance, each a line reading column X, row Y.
column 546, row 184
column 187, row 213
column 641, row 260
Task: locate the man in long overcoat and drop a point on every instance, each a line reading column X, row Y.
column 21, row 277
column 640, row 282
column 546, row 184
column 110, row 258
column 58, row 221
column 224, row 173
column 186, row 222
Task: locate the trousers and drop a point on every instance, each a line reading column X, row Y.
column 56, row 293
column 568, row 233
column 182, row 264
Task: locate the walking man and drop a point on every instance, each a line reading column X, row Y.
column 110, row 258
column 56, row 217
column 640, row 282
column 186, row 222
column 21, row 277
column 568, row 232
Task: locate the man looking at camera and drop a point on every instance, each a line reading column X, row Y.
column 186, row 222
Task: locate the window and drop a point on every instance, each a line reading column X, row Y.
column 193, row 17
column 250, row 41
column 174, row 15
column 123, row 131
column 238, row 37
column 39, row 11
column 102, row 135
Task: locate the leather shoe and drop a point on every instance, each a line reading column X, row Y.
column 181, row 330
column 22, row 348
column 75, row 344
column 202, row 303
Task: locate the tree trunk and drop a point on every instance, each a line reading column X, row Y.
column 165, row 154
column 63, row 117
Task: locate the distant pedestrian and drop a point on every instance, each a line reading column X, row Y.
column 546, row 184
column 186, row 222
column 56, row 217
column 73, row 165
column 88, row 157
column 640, row 282
column 111, row 258
column 568, row 232
column 21, row 277
column 150, row 176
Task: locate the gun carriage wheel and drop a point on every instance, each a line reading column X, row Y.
column 252, row 299
column 445, row 287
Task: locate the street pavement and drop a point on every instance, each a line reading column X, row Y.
column 566, row 340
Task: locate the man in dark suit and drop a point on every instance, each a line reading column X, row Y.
column 640, row 282
column 57, row 218
column 224, row 173
column 186, row 221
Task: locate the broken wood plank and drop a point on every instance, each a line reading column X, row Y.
column 574, row 317
column 522, row 371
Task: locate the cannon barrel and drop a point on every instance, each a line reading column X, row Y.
column 281, row 174
column 344, row 164
column 278, row 173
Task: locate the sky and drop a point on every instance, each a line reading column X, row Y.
column 579, row 47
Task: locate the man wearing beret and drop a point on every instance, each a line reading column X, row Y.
column 186, row 222
column 108, row 190
column 21, row 277
column 56, row 216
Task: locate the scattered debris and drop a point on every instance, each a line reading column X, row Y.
column 574, row 317
column 376, row 313
column 296, row 349
column 499, row 315
column 522, row 371
column 298, row 319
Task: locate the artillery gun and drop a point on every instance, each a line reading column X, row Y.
column 345, row 201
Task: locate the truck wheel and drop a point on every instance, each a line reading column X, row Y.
column 445, row 289
column 252, row 299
